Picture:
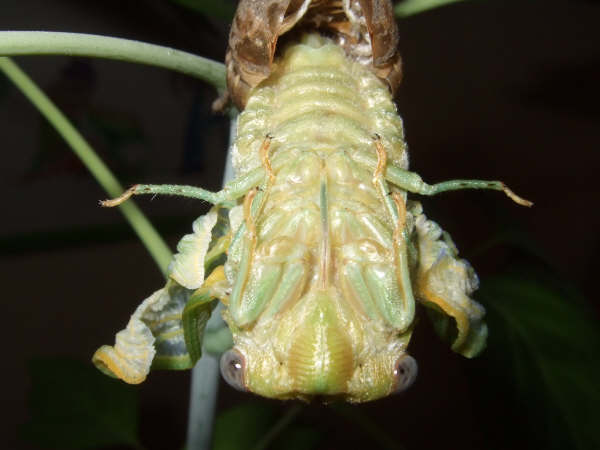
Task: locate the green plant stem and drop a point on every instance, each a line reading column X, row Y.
column 205, row 374
column 147, row 234
column 77, row 44
column 278, row 427
column 410, row 7
column 370, row 427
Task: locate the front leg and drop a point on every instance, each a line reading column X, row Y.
column 227, row 197
column 412, row 182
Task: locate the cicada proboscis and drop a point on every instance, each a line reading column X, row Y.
column 325, row 257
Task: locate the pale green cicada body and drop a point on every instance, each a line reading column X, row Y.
column 326, row 257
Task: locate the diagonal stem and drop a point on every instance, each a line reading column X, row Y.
column 78, row 44
column 410, row 7
column 370, row 427
column 143, row 228
column 205, row 374
column 286, row 419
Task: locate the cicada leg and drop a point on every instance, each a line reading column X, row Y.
column 232, row 191
column 418, row 186
column 412, row 182
column 248, row 246
column 225, row 197
column 264, row 157
column 280, row 282
column 402, row 269
column 379, row 179
column 397, row 307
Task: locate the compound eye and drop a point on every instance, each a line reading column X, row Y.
column 233, row 366
column 405, row 373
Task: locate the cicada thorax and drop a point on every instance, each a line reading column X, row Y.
column 318, row 305
column 365, row 29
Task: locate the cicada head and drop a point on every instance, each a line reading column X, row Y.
column 319, row 349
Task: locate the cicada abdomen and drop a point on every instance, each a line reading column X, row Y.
column 326, row 256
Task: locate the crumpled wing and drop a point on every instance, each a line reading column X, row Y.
column 187, row 267
column 444, row 283
column 154, row 336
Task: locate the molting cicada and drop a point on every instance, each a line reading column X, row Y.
column 314, row 248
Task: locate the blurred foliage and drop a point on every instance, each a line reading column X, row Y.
column 245, row 426
column 117, row 135
column 541, row 368
column 225, row 9
column 579, row 93
column 409, row 7
column 218, row 9
column 73, row 406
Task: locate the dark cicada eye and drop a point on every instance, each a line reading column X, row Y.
column 233, row 366
column 405, row 373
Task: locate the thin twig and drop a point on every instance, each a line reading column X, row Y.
column 205, row 374
column 371, row 428
column 410, row 7
column 143, row 228
column 278, row 427
column 78, row 44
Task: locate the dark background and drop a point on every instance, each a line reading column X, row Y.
column 503, row 90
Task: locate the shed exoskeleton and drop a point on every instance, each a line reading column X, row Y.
column 365, row 29
column 325, row 255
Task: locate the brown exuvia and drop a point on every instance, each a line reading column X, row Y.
column 365, row 29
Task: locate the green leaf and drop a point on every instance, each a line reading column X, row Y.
column 218, row 9
column 73, row 406
column 260, row 425
column 544, row 346
column 298, row 438
column 241, row 427
column 410, row 7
